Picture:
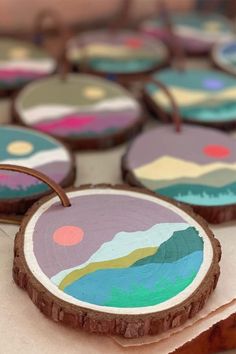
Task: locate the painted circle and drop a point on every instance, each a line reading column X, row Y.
column 18, row 53
column 94, row 93
column 212, row 26
column 213, row 84
column 216, row 151
column 20, row 148
column 68, row 235
column 134, row 42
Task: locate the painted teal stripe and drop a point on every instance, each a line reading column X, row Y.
column 221, row 112
column 7, row 193
column 123, row 66
column 194, row 79
column 200, row 194
column 180, row 245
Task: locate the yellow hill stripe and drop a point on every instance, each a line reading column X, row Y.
column 168, row 168
column 110, row 51
column 186, row 97
column 122, row 262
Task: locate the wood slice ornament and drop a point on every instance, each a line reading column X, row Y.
column 84, row 111
column 196, row 32
column 123, row 55
column 22, row 62
column 28, row 148
column 203, row 96
column 223, row 56
column 116, row 52
column 143, row 266
column 192, row 165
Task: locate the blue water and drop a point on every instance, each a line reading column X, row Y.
column 123, row 66
column 99, row 287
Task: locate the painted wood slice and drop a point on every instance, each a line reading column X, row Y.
column 196, row 32
column 196, row 167
column 119, row 53
column 83, row 110
column 224, row 57
column 117, row 261
column 22, row 62
column 204, row 97
column 28, row 148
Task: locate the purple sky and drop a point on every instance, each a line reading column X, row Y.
column 55, row 170
column 101, row 217
column 187, row 145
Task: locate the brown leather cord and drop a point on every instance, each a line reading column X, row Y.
column 62, row 31
column 226, row 7
column 42, row 177
column 39, row 21
column 64, row 66
column 230, row 10
column 177, row 49
column 176, row 119
column 122, row 18
column 208, row 6
column 117, row 23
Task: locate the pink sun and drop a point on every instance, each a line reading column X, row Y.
column 134, row 42
column 216, row 151
column 68, row 235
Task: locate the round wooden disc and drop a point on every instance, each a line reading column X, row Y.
column 196, row 167
column 203, row 96
column 223, row 57
column 28, row 148
column 117, row 53
column 197, row 32
column 22, row 62
column 118, row 261
column 83, row 110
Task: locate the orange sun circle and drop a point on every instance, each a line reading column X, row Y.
column 134, row 42
column 216, row 151
column 68, row 235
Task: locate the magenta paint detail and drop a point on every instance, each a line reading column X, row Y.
column 80, row 123
column 7, row 74
column 69, row 123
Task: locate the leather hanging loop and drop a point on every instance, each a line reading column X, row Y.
column 64, row 66
column 62, row 31
column 117, row 23
column 122, row 18
column 39, row 24
column 179, row 57
column 208, row 6
column 176, row 118
column 42, row 177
